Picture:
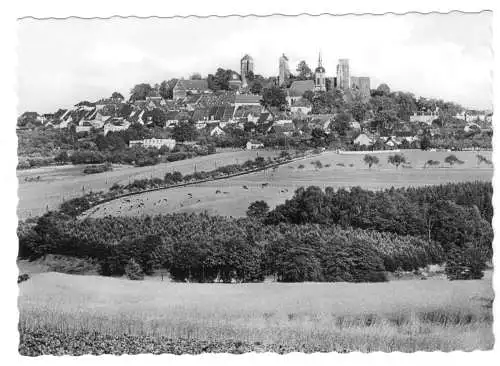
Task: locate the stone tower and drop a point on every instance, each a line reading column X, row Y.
column 246, row 65
column 319, row 76
column 284, row 72
column 343, row 74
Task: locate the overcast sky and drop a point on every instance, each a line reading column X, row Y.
column 62, row 62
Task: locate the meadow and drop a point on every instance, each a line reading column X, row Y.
column 231, row 197
column 65, row 182
column 401, row 315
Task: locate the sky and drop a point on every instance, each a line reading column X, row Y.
column 62, row 62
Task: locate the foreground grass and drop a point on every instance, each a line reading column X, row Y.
column 132, row 317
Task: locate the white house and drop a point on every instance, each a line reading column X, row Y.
column 157, row 143
column 251, row 145
column 363, row 139
column 116, row 124
column 217, row 131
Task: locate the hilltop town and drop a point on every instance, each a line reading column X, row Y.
column 245, row 109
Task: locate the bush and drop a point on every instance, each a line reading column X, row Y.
column 466, row 263
column 23, row 277
column 133, row 270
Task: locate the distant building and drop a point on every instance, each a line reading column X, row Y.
column 284, row 70
column 424, row 117
column 217, row 131
column 297, row 90
column 319, row 76
column 115, row 125
column 343, row 74
column 235, row 81
column 363, row 140
column 242, row 99
column 157, row 143
column 251, row 145
column 246, row 66
column 183, row 87
column 362, row 85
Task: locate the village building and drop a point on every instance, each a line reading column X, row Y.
column 184, row 87
column 319, row 77
column 156, row 143
column 424, row 117
column 116, row 124
column 217, row 131
column 363, row 140
column 252, row 145
column 297, row 90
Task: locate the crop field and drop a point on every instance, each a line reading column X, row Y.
column 64, row 182
column 403, row 315
column 231, row 197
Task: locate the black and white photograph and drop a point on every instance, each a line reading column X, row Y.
column 243, row 183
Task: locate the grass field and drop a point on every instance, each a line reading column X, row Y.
column 344, row 171
column 406, row 315
column 65, row 182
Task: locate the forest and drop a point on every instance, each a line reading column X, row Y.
column 352, row 236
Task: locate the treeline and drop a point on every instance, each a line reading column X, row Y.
column 454, row 214
column 206, row 248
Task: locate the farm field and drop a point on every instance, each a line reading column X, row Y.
column 65, row 182
column 229, row 197
column 404, row 315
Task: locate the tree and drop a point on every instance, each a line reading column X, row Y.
column 359, row 111
column 304, row 71
column 258, row 210
column 166, row 89
column 341, row 123
column 465, row 263
column 431, row 163
column 220, row 81
column 274, row 97
column 195, row 76
column 157, row 116
column 140, row 91
column 483, row 159
column 62, row 157
column 256, row 87
column 383, row 89
column 396, row 160
column 452, row 160
column 370, row 160
column 185, row 131
column 133, row 270
column 116, row 95
column 425, row 143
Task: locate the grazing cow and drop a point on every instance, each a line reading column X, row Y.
column 245, row 187
column 217, row 192
column 264, row 185
column 226, row 192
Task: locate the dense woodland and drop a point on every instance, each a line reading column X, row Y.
column 354, row 236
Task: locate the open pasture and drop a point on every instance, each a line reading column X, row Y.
column 65, row 182
column 231, row 197
column 405, row 315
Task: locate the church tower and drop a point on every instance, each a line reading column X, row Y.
column 319, row 76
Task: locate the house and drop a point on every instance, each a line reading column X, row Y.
column 472, row 127
column 264, row 117
column 247, row 99
column 217, row 131
column 284, row 127
column 363, row 140
column 116, row 124
column 184, row 87
column 252, row 145
column 156, row 143
column 424, row 117
column 297, row 90
column 355, row 125
column 301, row 106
